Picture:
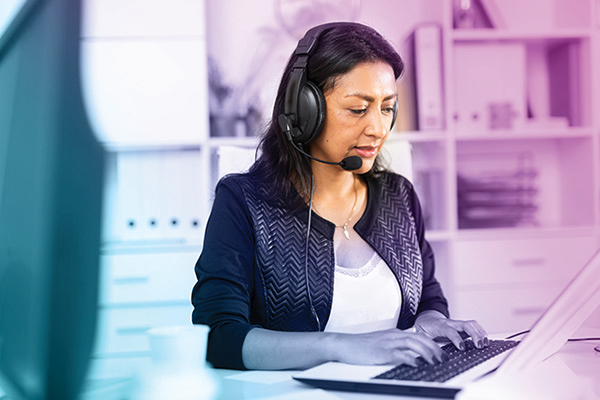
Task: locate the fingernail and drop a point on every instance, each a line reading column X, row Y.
column 479, row 344
column 421, row 361
column 461, row 346
column 486, row 341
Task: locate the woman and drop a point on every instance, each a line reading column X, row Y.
column 318, row 252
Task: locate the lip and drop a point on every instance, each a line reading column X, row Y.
column 366, row 151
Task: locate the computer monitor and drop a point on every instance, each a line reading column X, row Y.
column 51, row 180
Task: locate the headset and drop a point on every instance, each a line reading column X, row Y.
column 304, row 105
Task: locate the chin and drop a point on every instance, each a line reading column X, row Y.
column 366, row 167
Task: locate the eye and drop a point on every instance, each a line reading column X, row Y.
column 358, row 111
column 388, row 110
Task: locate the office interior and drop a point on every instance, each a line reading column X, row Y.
column 498, row 129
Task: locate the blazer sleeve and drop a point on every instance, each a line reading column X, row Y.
column 222, row 294
column 432, row 297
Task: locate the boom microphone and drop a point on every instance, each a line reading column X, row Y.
column 349, row 163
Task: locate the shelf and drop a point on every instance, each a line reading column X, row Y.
column 525, row 233
column 151, row 246
column 526, row 134
column 433, row 235
column 168, row 145
column 474, row 35
column 244, row 141
column 124, row 147
column 418, row 136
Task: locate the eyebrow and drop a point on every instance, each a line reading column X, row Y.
column 371, row 98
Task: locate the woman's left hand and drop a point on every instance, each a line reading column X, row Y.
column 435, row 324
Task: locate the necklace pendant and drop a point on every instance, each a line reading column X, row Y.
column 346, row 233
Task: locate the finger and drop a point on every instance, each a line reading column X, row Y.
column 407, row 357
column 416, row 343
column 476, row 332
column 481, row 334
column 425, row 347
column 452, row 331
column 454, row 336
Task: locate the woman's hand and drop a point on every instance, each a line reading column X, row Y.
column 267, row 349
column 391, row 346
column 435, row 324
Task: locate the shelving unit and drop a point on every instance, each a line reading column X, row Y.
column 504, row 264
column 144, row 71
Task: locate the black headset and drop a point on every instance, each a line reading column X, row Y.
column 304, row 107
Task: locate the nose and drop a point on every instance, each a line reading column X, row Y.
column 377, row 124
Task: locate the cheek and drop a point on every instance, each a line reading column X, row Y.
column 339, row 117
column 331, row 129
column 341, row 126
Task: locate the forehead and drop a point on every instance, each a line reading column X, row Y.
column 372, row 79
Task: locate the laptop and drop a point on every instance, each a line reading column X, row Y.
column 549, row 333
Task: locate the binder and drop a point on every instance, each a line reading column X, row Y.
column 428, row 77
column 565, row 82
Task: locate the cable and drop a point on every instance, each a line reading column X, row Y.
column 514, row 335
column 310, row 304
column 582, row 339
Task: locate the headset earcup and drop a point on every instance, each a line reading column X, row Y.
column 310, row 115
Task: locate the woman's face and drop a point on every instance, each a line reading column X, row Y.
column 359, row 115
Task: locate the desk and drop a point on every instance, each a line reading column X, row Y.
column 278, row 385
column 580, row 357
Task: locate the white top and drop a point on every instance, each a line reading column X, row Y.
column 365, row 298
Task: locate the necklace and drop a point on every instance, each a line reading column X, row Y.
column 345, row 226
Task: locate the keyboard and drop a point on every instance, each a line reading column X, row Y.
column 458, row 361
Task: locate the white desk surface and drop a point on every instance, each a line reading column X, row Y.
column 580, row 357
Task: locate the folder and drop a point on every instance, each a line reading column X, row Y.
column 428, row 77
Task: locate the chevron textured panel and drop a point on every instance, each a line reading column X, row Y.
column 394, row 233
column 280, row 253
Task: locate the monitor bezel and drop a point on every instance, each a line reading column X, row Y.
column 10, row 29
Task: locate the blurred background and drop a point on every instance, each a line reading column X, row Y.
column 498, row 128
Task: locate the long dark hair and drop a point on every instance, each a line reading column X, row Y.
column 339, row 50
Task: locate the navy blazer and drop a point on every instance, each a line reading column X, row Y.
column 252, row 269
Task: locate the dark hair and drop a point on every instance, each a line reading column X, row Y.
column 339, row 50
